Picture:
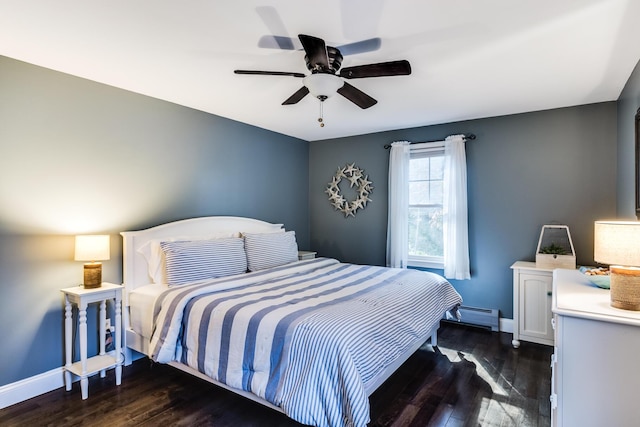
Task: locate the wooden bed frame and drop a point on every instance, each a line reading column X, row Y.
column 135, row 274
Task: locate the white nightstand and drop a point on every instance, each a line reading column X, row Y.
column 85, row 367
column 532, row 290
column 306, row 255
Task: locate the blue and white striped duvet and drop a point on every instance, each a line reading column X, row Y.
column 306, row 336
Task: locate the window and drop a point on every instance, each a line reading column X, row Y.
column 426, row 186
column 427, row 218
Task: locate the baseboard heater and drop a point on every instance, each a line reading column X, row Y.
column 483, row 317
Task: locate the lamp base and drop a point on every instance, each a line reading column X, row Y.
column 625, row 287
column 92, row 275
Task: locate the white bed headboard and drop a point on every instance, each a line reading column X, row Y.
column 135, row 272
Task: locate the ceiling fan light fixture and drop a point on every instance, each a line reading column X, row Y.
column 322, row 85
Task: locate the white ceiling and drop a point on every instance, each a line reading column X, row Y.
column 470, row 58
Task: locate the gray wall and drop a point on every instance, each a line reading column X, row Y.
column 628, row 105
column 524, row 171
column 81, row 157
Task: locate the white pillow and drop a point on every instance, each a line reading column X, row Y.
column 192, row 260
column 152, row 252
column 267, row 250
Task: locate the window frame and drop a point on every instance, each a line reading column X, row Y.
column 432, row 149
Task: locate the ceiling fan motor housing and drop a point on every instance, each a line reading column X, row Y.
column 335, row 62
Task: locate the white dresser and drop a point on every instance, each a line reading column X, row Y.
column 596, row 361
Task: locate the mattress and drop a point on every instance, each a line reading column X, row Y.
column 141, row 303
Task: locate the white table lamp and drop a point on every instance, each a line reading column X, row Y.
column 617, row 243
column 92, row 248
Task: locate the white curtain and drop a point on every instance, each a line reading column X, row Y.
column 455, row 223
column 398, row 217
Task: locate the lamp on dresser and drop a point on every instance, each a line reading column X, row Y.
column 617, row 243
column 92, row 248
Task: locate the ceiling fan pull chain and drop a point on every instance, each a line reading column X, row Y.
column 320, row 118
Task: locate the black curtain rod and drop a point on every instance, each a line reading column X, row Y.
column 467, row 137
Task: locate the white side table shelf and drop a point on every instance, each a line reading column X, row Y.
column 86, row 367
column 532, row 288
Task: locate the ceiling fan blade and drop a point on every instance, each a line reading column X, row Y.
column 279, row 42
column 362, row 46
column 357, row 96
column 393, row 68
column 269, row 73
column 290, row 43
column 274, row 23
column 296, row 97
column 316, row 51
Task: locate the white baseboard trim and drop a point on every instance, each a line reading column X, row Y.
column 27, row 388
column 22, row 390
column 506, row 325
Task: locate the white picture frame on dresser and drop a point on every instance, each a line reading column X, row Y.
column 595, row 371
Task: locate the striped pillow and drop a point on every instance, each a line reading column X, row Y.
column 190, row 260
column 152, row 252
column 267, row 250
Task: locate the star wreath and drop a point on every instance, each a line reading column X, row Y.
column 356, row 178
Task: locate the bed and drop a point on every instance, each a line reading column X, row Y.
column 226, row 299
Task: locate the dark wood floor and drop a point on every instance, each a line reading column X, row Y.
column 474, row 378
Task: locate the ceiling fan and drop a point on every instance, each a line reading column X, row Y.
column 324, row 62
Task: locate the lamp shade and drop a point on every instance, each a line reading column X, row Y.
column 92, row 248
column 617, row 242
